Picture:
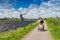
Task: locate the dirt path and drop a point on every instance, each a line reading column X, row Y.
column 38, row 35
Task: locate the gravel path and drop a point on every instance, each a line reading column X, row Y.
column 38, row 35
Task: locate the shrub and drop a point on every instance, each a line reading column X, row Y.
column 53, row 21
column 54, row 27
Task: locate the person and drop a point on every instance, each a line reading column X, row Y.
column 42, row 24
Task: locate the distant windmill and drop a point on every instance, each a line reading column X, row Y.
column 21, row 15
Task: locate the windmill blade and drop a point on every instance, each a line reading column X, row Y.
column 24, row 14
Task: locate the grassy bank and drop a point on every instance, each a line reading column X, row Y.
column 17, row 34
column 54, row 27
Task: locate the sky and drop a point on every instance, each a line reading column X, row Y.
column 20, row 3
column 31, row 8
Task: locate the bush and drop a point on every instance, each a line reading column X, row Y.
column 53, row 21
column 54, row 27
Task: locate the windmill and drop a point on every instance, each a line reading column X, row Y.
column 21, row 15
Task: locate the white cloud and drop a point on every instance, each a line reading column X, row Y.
column 46, row 9
column 5, row 4
column 9, row 13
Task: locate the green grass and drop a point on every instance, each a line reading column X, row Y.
column 10, row 19
column 17, row 34
column 54, row 27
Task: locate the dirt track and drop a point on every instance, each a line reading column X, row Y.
column 38, row 35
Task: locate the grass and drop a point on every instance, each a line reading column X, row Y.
column 9, row 19
column 54, row 27
column 17, row 34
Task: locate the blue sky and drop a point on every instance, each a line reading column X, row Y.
column 32, row 8
column 22, row 3
column 26, row 3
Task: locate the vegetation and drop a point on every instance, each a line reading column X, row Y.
column 17, row 34
column 54, row 27
column 9, row 19
column 15, row 19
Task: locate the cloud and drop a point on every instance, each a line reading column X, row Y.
column 5, row 4
column 45, row 10
column 54, row 9
column 9, row 13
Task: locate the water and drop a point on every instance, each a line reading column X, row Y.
column 6, row 26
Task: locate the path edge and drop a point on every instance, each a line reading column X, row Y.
column 51, row 38
column 28, row 33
